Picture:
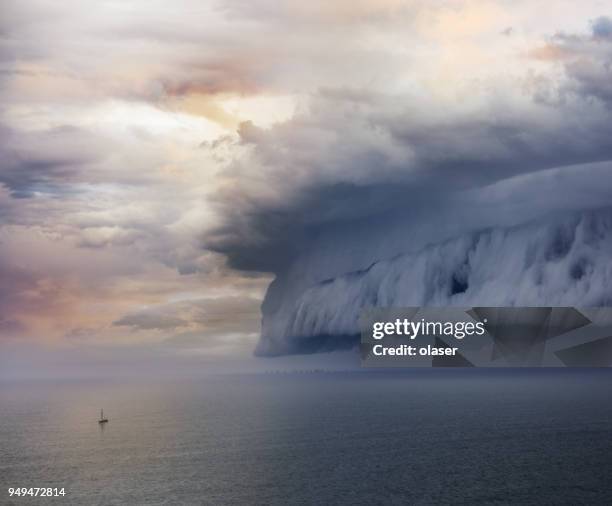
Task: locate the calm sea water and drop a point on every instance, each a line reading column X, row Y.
column 427, row 437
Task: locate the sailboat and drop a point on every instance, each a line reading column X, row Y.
column 102, row 419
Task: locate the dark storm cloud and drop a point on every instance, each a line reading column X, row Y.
column 344, row 162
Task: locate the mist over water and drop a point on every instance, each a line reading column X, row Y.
column 417, row 437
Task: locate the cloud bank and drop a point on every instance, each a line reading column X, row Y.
column 374, row 198
column 160, row 163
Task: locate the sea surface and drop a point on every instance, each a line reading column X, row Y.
column 423, row 437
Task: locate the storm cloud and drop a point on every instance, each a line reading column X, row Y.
column 357, row 154
column 364, row 177
column 160, row 164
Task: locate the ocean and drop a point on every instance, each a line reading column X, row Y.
column 418, row 437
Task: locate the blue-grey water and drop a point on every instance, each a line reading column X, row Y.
column 427, row 437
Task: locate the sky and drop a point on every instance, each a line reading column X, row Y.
column 161, row 162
